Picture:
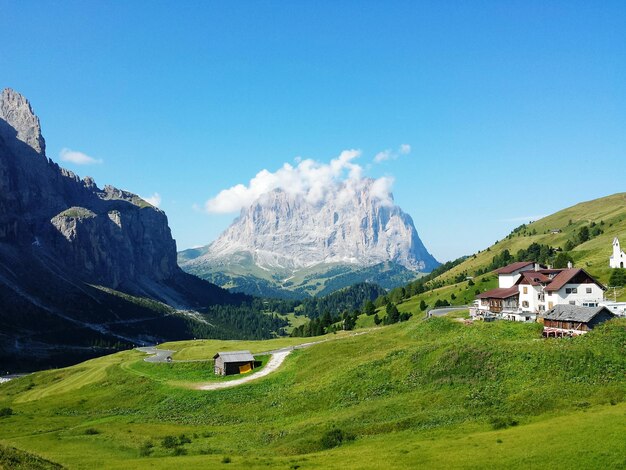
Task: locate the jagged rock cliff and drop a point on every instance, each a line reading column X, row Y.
column 110, row 236
column 80, row 265
column 283, row 234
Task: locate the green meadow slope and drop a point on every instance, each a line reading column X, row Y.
column 434, row 393
column 608, row 213
column 605, row 216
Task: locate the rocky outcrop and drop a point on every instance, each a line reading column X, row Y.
column 16, row 112
column 84, row 270
column 282, row 234
column 284, row 230
column 109, row 236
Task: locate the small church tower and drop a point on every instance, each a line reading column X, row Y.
column 618, row 260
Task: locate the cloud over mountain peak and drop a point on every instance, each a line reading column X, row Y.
column 311, row 179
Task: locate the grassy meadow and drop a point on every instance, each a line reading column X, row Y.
column 433, row 393
column 593, row 255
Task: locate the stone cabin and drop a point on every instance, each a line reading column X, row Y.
column 233, row 362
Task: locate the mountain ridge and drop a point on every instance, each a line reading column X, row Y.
column 82, row 266
column 281, row 236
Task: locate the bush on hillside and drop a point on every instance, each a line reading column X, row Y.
column 169, row 442
column 503, row 422
column 334, row 438
column 146, row 449
column 618, row 277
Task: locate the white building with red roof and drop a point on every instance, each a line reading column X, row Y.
column 536, row 290
column 508, row 275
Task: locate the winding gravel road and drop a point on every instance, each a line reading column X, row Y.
column 278, row 356
column 157, row 355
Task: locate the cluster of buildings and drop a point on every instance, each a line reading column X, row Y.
column 567, row 301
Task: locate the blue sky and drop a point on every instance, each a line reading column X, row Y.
column 512, row 109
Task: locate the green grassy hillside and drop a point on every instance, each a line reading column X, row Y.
column 603, row 218
column 592, row 255
column 433, row 393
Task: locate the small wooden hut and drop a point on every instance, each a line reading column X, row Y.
column 233, row 362
column 572, row 320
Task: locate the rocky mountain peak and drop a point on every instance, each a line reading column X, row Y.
column 18, row 116
column 357, row 224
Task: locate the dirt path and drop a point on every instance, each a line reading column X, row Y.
column 157, row 355
column 273, row 364
column 278, row 356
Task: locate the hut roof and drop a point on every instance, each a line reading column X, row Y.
column 235, row 356
column 511, row 268
column 574, row 313
column 499, row 293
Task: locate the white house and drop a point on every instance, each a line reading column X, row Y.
column 618, row 260
column 508, row 275
column 543, row 290
column 536, row 290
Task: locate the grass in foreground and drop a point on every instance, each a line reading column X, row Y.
column 433, row 393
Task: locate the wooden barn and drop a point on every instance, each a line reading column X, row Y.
column 234, row 362
column 572, row 320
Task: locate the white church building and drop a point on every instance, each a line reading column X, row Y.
column 618, row 260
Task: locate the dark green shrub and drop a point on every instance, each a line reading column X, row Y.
column 5, row 412
column 91, row 432
column 179, row 451
column 226, row 459
column 334, row 438
column 618, row 277
column 503, row 422
column 146, row 449
column 169, row 442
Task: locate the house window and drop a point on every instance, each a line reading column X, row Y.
column 525, row 303
column 588, row 290
column 549, row 293
column 525, row 290
column 571, row 302
column 571, row 290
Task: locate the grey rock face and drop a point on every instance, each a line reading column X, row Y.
column 15, row 110
column 109, row 236
column 283, row 231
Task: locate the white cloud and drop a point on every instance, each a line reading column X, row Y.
column 382, row 156
column 313, row 180
column 78, row 158
column 389, row 154
column 154, row 200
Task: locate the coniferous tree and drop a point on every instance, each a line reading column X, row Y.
column 393, row 316
column 369, row 308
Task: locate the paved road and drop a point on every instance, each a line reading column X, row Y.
column 439, row 312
